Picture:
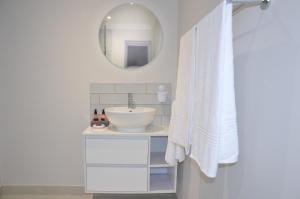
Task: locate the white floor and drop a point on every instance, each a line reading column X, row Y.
column 27, row 196
column 53, row 196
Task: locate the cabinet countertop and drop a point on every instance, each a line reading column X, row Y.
column 151, row 131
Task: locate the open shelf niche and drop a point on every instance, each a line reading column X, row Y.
column 158, row 150
column 163, row 179
column 162, row 175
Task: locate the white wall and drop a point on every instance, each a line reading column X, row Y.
column 49, row 54
column 0, row 161
column 267, row 73
column 267, row 49
column 1, row 135
column 191, row 11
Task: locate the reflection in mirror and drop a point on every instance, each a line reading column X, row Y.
column 130, row 36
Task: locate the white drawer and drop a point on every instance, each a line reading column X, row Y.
column 117, row 150
column 116, row 179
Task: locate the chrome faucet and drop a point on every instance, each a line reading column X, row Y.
column 131, row 103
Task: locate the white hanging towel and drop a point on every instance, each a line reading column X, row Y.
column 180, row 123
column 214, row 130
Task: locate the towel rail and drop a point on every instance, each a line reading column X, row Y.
column 241, row 4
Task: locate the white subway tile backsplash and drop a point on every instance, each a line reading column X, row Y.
column 130, row 88
column 165, row 120
column 102, row 88
column 160, row 109
column 94, row 99
column 144, row 94
column 145, row 99
column 157, row 120
column 166, row 109
column 113, row 98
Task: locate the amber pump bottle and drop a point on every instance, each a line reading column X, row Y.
column 104, row 119
column 95, row 120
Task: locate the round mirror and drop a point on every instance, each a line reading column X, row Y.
column 130, row 36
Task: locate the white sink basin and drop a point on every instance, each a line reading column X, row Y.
column 130, row 120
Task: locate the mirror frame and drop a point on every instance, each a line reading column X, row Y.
column 161, row 45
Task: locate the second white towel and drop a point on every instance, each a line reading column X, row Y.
column 203, row 119
column 180, row 124
column 214, row 128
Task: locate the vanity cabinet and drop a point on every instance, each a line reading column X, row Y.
column 118, row 162
column 116, row 179
column 117, row 150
